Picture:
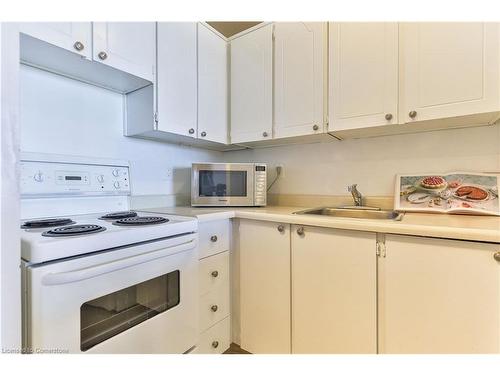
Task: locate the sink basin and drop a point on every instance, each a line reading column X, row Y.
column 354, row 213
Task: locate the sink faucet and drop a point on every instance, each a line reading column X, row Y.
column 356, row 195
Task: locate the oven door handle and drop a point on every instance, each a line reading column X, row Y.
column 101, row 269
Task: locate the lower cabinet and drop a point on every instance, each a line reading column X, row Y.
column 334, row 291
column 264, row 287
column 438, row 296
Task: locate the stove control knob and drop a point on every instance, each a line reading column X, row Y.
column 116, row 184
column 100, row 178
column 115, row 172
column 38, row 177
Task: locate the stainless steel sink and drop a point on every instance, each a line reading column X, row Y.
column 355, row 213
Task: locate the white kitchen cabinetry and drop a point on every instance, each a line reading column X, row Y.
column 448, row 70
column 334, row 291
column 212, row 86
column 177, row 78
column 251, row 86
column 299, row 64
column 72, row 36
column 127, row 46
column 214, row 303
column 438, row 296
column 264, row 286
column 363, row 75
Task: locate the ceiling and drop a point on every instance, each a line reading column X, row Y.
column 231, row 28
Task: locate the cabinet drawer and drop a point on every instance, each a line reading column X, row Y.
column 214, row 273
column 215, row 340
column 214, row 237
column 214, row 307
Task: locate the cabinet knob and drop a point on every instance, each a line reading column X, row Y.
column 203, row 134
column 264, row 134
column 496, row 256
column 102, row 55
column 215, row 344
column 213, row 238
column 281, row 228
column 78, row 46
column 215, row 273
column 300, row 231
column 214, row 308
column 412, row 114
column 388, row 116
column 191, row 131
column 315, row 127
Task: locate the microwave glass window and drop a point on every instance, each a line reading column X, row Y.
column 109, row 315
column 222, row 184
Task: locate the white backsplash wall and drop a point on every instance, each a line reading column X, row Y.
column 64, row 116
column 372, row 163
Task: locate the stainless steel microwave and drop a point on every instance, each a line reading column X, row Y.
column 228, row 184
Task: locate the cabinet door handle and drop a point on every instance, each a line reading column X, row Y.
column 496, row 256
column 102, row 55
column 388, row 116
column 191, row 131
column 281, row 228
column 213, row 238
column 78, row 46
column 215, row 344
column 300, row 231
column 214, row 308
column 264, row 134
column 315, row 127
column 412, row 114
column 215, row 273
column 203, row 134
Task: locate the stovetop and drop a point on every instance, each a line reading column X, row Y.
column 82, row 234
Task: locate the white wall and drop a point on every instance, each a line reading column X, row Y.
column 64, row 116
column 372, row 163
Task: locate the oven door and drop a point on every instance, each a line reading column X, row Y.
column 222, row 184
column 137, row 299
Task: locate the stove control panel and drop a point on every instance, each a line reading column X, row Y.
column 54, row 178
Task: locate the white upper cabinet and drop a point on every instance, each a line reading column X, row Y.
column 127, row 46
column 72, row 36
column 448, row 69
column 438, row 296
column 251, row 86
column 212, row 86
column 363, row 74
column 299, row 64
column 177, row 78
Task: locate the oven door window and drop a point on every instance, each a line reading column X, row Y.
column 222, row 183
column 109, row 315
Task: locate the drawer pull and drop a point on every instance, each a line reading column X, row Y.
column 496, row 256
column 213, row 238
column 300, row 231
column 215, row 344
column 214, row 308
column 281, row 228
column 215, row 273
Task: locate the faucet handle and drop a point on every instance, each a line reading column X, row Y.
column 351, row 188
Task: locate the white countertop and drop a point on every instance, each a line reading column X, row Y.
column 463, row 227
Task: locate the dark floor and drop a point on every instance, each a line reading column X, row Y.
column 235, row 349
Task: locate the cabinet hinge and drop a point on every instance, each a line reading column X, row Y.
column 380, row 249
column 273, row 35
column 155, row 119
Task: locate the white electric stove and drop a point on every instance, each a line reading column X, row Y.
column 99, row 277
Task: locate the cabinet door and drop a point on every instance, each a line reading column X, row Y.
column 334, row 291
column 363, row 75
column 264, row 286
column 299, row 64
column 73, row 36
column 448, row 69
column 251, row 86
column 212, row 86
column 177, row 77
column 439, row 296
column 127, row 46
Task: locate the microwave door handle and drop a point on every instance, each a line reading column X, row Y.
column 94, row 271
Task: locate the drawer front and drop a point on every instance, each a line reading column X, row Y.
column 214, row 273
column 214, row 307
column 215, row 340
column 214, row 237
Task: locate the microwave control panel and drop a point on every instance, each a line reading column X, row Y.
column 260, row 193
column 53, row 179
